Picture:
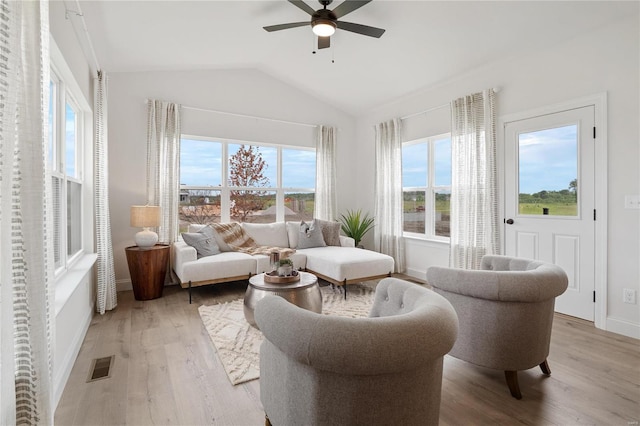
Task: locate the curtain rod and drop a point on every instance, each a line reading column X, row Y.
column 425, row 111
column 250, row 116
column 495, row 90
column 85, row 30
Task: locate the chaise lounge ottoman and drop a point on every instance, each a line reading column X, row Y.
column 347, row 265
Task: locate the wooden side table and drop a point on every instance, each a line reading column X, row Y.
column 148, row 267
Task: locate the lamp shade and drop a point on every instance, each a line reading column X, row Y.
column 145, row 216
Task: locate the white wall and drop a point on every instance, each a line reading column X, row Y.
column 606, row 60
column 243, row 91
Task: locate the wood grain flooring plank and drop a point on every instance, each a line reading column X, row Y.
column 168, row 373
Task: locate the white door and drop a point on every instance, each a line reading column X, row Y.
column 549, row 199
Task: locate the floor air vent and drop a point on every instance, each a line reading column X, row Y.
column 100, row 368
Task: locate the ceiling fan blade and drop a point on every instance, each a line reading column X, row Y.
column 286, row 26
column 302, row 5
column 324, row 42
column 360, row 29
column 348, row 6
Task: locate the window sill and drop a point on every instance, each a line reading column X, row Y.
column 427, row 241
column 67, row 283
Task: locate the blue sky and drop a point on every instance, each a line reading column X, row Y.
column 547, row 159
column 201, row 164
column 415, row 160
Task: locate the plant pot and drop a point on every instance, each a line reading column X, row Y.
column 285, row 270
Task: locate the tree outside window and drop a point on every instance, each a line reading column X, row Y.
column 247, row 169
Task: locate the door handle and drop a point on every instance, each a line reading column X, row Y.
column 509, row 221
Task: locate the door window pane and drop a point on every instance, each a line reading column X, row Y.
column 548, row 172
column 200, row 163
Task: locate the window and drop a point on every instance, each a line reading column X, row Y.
column 222, row 181
column 426, row 181
column 64, row 157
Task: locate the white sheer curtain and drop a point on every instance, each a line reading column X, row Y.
column 474, row 193
column 326, row 204
column 163, row 165
column 26, row 260
column 388, row 192
column 106, row 286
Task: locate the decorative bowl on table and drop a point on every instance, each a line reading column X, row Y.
column 275, row 278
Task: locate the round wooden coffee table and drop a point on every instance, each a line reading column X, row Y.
column 304, row 293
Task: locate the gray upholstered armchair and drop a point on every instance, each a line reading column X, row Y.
column 505, row 312
column 385, row 369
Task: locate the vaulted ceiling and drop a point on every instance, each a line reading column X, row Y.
column 425, row 43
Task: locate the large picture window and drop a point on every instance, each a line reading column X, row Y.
column 426, row 181
column 222, row 181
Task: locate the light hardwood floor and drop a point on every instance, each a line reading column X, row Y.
column 166, row 372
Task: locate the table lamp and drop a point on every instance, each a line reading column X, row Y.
column 145, row 217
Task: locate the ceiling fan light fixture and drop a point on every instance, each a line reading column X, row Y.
column 323, row 27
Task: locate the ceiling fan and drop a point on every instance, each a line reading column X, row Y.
column 324, row 21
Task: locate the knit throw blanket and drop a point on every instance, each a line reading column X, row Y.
column 238, row 240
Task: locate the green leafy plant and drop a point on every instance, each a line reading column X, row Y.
column 283, row 262
column 355, row 225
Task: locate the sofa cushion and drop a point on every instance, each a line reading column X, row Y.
column 330, row 231
column 310, row 235
column 293, row 229
column 224, row 247
column 224, row 265
column 203, row 241
column 267, row 234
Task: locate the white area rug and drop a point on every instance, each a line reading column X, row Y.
column 238, row 344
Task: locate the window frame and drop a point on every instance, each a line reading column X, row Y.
column 430, row 189
column 66, row 91
column 225, row 189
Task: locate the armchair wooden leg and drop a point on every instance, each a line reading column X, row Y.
column 545, row 368
column 267, row 422
column 512, row 382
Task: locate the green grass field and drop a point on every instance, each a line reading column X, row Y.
column 555, row 209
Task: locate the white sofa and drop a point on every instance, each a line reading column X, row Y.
column 339, row 265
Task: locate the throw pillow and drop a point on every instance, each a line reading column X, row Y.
column 203, row 241
column 293, row 229
column 310, row 236
column 330, row 231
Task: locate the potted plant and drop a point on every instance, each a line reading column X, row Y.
column 356, row 225
column 285, row 267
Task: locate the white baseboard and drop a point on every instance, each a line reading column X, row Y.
column 417, row 273
column 123, row 285
column 623, row 327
